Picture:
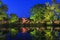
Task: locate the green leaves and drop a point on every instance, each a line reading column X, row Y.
column 13, row 18
column 0, row 2
column 3, row 10
column 3, row 15
column 45, row 12
column 37, row 10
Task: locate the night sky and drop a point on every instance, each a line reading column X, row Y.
column 22, row 7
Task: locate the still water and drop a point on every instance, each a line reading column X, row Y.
column 32, row 33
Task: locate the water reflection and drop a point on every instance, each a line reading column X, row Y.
column 31, row 33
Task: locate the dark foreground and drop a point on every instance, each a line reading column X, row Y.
column 30, row 33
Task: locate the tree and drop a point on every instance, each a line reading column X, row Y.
column 57, row 9
column 3, row 16
column 37, row 12
column 52, row 12
column 49, row 13
column 3, row 7
column 13, row 18
column 0, row 3
column 3, row 11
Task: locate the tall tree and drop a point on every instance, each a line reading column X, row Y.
column 37, row 12
column 3, row 7
column 49, row 13
column 3, row 11
column 57, row 9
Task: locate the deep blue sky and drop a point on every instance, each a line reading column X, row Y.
column 22, row 7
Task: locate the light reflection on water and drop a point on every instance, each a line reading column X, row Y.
column 47, row 30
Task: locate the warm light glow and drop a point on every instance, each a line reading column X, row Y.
column 24, row 30
column 24, row 20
